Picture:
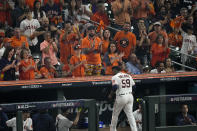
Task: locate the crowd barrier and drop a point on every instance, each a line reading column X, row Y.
column 95, row 87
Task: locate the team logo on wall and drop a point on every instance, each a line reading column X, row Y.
column 124, row 42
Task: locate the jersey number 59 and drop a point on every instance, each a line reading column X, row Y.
column 125, row 83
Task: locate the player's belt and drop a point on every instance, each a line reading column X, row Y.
column 125, row 93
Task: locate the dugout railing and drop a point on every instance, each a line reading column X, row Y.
column 155, row 110
column 90, row 104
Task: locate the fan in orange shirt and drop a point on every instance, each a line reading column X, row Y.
column 78, row 63
column 105, row 40
column 67, row 39
column 122, row 11
column 126, row 41
column 19, row 41
column 112, row 58
column 159, row 50
column 48, row 70
column 100, row 15
column 175, row 38
column 142, row 8
column 27, row 66
column 91, row 48
column 178, row 21
column 157, row 30
column 66, row 70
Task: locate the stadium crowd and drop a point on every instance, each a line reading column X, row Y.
column 76, row 38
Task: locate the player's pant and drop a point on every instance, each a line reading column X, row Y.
column 184, row 59
column 124, row 102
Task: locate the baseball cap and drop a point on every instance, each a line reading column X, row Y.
column 91, row 27
column 157, row 23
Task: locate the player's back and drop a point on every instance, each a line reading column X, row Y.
column 124, row 82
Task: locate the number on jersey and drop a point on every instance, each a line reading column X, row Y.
column 126, row 83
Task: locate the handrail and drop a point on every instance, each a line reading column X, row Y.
column 183, row 53
column 183, row 65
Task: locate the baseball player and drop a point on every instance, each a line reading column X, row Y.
column 122, row 85
column 63, row 123
column 27, row 122
column 138, row 117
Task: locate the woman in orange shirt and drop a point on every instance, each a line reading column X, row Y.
column 159, row 50
column 27, row 66
column 112, row 58
column 106, row 37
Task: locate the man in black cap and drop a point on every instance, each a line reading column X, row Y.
column 91, row 48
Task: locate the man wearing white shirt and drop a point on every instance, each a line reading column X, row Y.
column 138, row 117
column 27, row 122
column 28, row 26
column 83, row 11
column 189, row 46
column 63, row 123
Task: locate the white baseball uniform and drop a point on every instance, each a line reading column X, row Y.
column 63, row 123
column 189, row 44
column 124, row 99
column 27, row 124
column 138, row 117
column 28, row 27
